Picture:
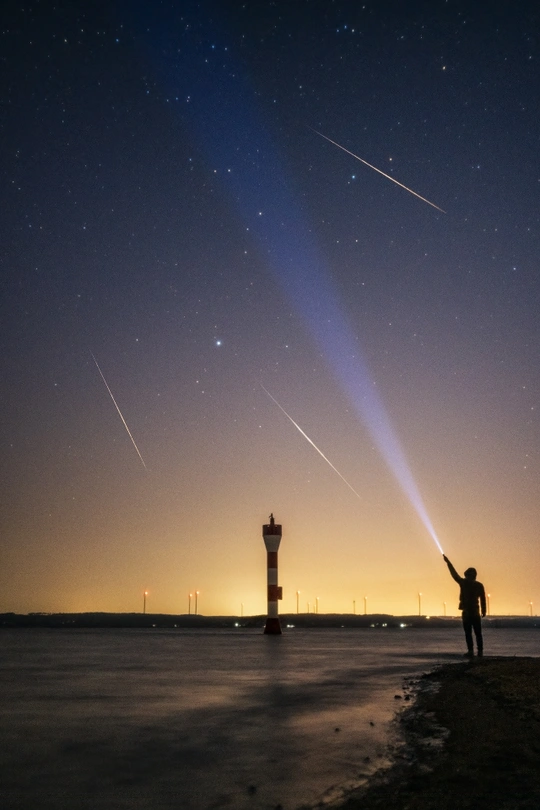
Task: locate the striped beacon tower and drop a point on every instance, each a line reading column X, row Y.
column 272, row 539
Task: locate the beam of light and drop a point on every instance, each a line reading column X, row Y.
column 230, row 130
column 388, row 177
column 119, row 412
column 312, row 443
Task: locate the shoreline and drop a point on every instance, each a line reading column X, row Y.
column 470, row 740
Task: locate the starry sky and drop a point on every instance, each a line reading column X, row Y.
column 176, row 227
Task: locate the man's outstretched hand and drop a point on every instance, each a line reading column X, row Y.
column 445, row 558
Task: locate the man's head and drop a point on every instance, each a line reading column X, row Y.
column 470, row 573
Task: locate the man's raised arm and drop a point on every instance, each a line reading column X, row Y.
column 453, row 573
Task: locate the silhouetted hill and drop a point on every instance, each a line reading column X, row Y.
column 288, row 620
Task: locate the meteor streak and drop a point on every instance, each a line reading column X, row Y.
column 388, row 177
column 119, row 412
column 309, row 440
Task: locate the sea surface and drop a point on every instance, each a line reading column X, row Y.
column 151, row 719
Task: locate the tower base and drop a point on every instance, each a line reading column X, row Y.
column 272, row 626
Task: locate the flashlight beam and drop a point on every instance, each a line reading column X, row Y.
column 119, row 412
column 436, row 541
column 388, row 177
column 312, row 443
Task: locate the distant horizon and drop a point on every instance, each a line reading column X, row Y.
column 289, row 618
column 254, row 615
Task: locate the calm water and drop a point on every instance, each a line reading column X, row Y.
column 151, row 719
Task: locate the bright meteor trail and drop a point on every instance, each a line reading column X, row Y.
column 119, row 412
column 388, row 177
column 309, row 440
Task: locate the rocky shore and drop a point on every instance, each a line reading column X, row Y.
column 472, row 740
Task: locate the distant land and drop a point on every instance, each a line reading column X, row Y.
column 289, row 621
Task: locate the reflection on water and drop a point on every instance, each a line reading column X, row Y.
column 155, row 719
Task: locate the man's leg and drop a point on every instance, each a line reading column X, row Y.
column 477, row 626
column 467, row 626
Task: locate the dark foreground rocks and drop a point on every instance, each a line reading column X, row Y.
column 472, row 740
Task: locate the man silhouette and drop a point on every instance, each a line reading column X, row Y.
column 471, row 593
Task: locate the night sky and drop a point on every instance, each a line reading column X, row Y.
column 170, row 208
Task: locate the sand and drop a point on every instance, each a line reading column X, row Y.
column 472, row 740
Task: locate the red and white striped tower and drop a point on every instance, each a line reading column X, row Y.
column 272, row 539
